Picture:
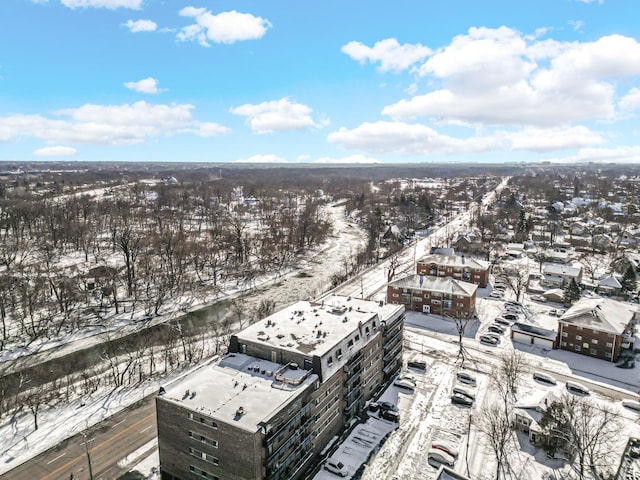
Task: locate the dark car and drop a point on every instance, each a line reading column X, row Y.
column 502, row 321
column 461, row 400
column 510, row 316
column 391, row 415
column 417, row 364
column 496, row 329
column 387, row 406
column 466, row 393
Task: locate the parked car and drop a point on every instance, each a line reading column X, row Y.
column 577, row 388
column 466, row 377
column 462, row 391
column 495, row 294
column 502, row 321
column 417, row 364
column 438, row 457
column 391, row 415
column 513, row 303
column 560, row 312
column 387, row 406
column 553, row 312
column 461, row 400
column 335, row 466
column 446, row 447
column 512, row 309
column 510, row 316
column 373, row 407
column 632, row 405
column 544, row 378
column 539, row 298
column 404, row 384
column 496, row 328
column 489, row 340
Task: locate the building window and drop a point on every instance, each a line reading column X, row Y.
column 594, row 351
column 190, row 415
column 609, row 345
column 330, row 361
column 435, row 302
column 395, row 295
column 578, row 337
column 594, row 340
column 565, row 334
column 192, row 468
column 607, row 354
column 564, row 344
column 577, row 348
column 339, row 353
column 190, row 434
column 578, row 328
column 357, row 338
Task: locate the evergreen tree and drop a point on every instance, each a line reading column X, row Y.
column 571, row 292
column 628, row 281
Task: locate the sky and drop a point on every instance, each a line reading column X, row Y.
column 408, row 81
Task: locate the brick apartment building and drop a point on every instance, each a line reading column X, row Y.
column 458, row 267
column 597, row 327
column 288, row 385
column 443, row 296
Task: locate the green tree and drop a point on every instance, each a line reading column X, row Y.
column 571, row 292
column 628, row 281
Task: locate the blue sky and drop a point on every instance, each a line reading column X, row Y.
column 331, row 81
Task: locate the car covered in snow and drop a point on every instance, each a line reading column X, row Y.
column 335, row 466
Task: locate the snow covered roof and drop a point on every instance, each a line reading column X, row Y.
column 454, row 261
column 609, row 281
column 240, row 390
column 601, row 314
column 317, row 328
column 436, row 284
column 561, row 270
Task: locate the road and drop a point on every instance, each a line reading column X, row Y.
column 109, row 442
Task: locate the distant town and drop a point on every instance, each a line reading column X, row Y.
column 188, row 321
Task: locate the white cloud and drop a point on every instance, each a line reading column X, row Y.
column 277, row 115
column 225, row 27
column 600, row 2
column 577, row 25
column 270, row 158
column 404, row 138
column 390, row 54
column 500, row 77
column 417, row 139
column 631, row 101
column 623, row 154
column 57, row 151
column 136, row 26
column 209, row 129
column 109, row 4
column 357, row 158
column 107, row 124
column 549, row 139
column 146, row 85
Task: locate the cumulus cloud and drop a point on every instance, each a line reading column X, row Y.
column 109, row 4
column 417, row 139
column 269, row 158
column 277, row 115
column 225, row 27
column 389, row 53
column 136, row 26
column 623, row 154
column 357, row 158
column 107, row 124
column 500, row 77
column 631, row 101
column 403, row 138
column 146, row 85
column 56, row 151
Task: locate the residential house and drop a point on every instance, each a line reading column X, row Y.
column 459, row 267
column 598, row 327
column 609, row 285
column 558, row 275
column 428, row 294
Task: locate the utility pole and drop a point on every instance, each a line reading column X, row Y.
column 86, row 449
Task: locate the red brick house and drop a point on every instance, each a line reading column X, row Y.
column 442, row 296
column 458, row 267
column 597, row 327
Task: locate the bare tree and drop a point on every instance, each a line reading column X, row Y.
column 516, row 277
column 394, row 263
column 505, row 376
column 495, row 425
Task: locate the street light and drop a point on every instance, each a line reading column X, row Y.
column 86, row 449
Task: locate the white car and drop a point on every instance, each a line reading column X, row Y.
column 404, row 384
column 335, row 466
column 439, row 457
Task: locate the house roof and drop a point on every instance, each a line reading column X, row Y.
column 436, row 284
column 601, row 314
column 454, row 261
column 555, row 269
column 609, row 281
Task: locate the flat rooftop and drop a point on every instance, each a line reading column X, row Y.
column 240, row 390
column 436, row 284
column 316, row 328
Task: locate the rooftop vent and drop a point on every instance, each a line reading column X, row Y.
column 240, row 411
